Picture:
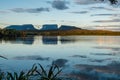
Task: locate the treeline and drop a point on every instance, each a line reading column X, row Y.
column 74, row 32
column 10, row 33
column 16, row 33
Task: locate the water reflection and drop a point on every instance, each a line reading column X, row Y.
column 52, row 40
column 79, row 56
column 55, row 39
column 28, row 40
column 62, row 39
column 49, row 39
column 19, row 40
column 103, row 54
column 67, row 39
column 96, row 72
column 100, row 60
column 0, row 40
column 79, row 75
column 60, row 62
column 112, row 67
column 89, row 55
column 108, row 40
column 110, row 48
column 34, row 57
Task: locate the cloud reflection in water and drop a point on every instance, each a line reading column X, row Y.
column 34, row 57
column 60, row 62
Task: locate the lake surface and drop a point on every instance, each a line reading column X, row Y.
column 80, row 57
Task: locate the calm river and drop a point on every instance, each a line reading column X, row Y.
column 80, row 57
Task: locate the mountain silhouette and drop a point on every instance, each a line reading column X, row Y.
column 21, row 27
column 44, row 27
column 65, row 27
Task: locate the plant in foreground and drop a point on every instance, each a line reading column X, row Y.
column 15, row 76
column 51, row 74
column 34, row 73
column 22, row 75
column 1, row 75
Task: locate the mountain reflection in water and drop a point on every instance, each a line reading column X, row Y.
column 45, row 40
column 56, row 39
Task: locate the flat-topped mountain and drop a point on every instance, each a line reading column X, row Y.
column 21, row 27
column 45, row 27
column 49, row 27
column 65, row 27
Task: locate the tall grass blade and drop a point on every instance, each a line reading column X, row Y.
column 3, row 57
column 50, row 73
column 22, row 75
column 10, row 76
column 1, row 75
column 43, row 71
column 58, row 71
column 15, row 76
column 32, row 70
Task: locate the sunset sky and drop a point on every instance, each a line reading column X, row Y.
column 88, row 14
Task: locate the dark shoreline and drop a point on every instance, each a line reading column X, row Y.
column 73, row 32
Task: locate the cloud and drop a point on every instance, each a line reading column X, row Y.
column 109, row 26
column 32, row 10
column 86, row 2
column 80, row 12
column 107, row 14
column 104, row 21
column 102, row 8
column 113, row 1
column 59, row 4
column 49, row 2
column 116, row 15
column 103, row 14
column 115, row 29
column 3, row 12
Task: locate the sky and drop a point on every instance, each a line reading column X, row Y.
column 87, row 14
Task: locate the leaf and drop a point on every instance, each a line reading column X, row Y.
column 1, row 75
column 21, row 75
column 32, row 70
column 10, row 76
column 43, row 71
column 15, row 76
column 3, row 57
column 50, row 73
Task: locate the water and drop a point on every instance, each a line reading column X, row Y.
column 79, row 56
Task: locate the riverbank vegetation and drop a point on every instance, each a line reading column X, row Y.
column 16, row 33
column 74, row 32
column 10, row 33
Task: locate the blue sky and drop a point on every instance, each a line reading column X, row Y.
column 88, row 14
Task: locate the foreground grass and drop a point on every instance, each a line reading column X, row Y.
column 37, row 72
